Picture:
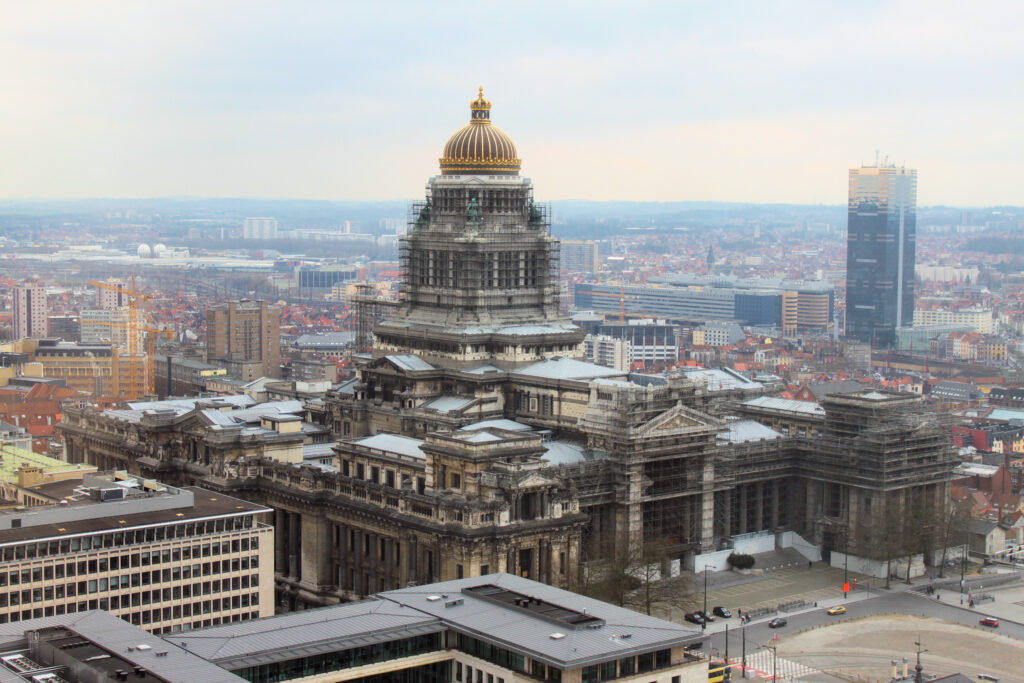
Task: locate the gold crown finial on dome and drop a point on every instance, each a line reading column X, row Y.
column 480, row 108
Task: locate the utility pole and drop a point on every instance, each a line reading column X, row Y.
column 744, row 660
column 774, row 649
column 727, row 643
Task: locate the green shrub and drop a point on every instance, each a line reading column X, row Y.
column 741, row 561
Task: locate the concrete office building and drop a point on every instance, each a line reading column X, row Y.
column 245, row 337
column 31, row 313
column 161, row 557
column 99, row 369
column 880, row 252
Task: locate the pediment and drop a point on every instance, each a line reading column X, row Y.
column 676, row 419
column 535, row 479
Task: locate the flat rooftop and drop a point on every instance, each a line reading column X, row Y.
column 105, row 643
column 206, row 504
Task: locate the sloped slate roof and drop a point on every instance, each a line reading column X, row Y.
column 393, row 443
column 568, row 368
column 305, row 633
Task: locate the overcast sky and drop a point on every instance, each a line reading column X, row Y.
column 735, row 101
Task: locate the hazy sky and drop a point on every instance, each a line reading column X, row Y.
column 736, row 101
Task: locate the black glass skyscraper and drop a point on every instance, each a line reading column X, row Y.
column 880, row 252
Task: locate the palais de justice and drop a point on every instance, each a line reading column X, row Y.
column 473, row 438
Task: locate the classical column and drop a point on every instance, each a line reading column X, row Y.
column 294, row 538
column 389, row 564
column 775, row 503
column 280, row 536
column 758, row 506
column 743, row 509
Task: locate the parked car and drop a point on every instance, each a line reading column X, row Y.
column 723, row 612
column 777, row 622
column 987, row 677
column 695, row 618
column 990, row 621
column 707, row 616
column 838, row 609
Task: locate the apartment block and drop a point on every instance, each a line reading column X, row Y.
column 31, row 314
column 245, row 336
column 166, row 559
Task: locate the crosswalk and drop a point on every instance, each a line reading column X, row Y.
column 785, row 669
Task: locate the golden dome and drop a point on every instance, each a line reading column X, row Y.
column 480, row 147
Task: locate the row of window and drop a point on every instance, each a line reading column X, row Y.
column 627, row 666
column 313, row 665
column 479, row 675
column 143, row 617
column 70, row 590
column 132, row 537
column 87, row 567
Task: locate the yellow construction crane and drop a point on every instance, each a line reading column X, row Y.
column 133, row 325
column 150, row 379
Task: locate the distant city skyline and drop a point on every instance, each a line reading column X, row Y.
column 737, row 102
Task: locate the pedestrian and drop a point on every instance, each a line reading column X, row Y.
column 810, row 564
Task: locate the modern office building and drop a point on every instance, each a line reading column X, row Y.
column 580, row 256
column 66, row 327
column 323, row 278
column 794, row 306
column 161, row 557
column 497, row 628
column 31, row 313
column 880, row 252
column 260, row 229
column 976, row 318
column 245, row 336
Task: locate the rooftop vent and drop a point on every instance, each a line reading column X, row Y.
column 454, row 603
column 433, row 598
column 557, row 636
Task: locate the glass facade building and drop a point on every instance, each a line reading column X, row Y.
column 880, row 252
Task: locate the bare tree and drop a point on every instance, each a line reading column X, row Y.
column 638, row 577
column 885, row 535
column 954, row 518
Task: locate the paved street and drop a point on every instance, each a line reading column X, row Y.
column 823, row 585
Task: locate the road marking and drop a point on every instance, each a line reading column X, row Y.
column 761, row 661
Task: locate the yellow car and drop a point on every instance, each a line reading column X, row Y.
column 838, row 609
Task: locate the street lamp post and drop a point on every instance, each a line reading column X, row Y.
column 846, row 566
column 963, row 568
column 704, row 621
column 727, row 642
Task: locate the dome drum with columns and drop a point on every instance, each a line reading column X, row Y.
column 481, row 267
